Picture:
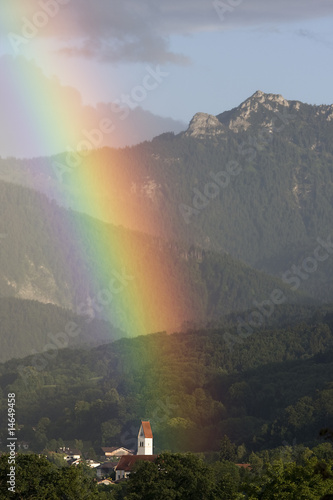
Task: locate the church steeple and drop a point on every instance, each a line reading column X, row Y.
column 145, row 439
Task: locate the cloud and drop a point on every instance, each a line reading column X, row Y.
column 41, row 117
column 263, row 12
column 112, row 51
column 140, row 30
column 311, row 35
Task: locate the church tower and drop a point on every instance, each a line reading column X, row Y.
column 145, row 439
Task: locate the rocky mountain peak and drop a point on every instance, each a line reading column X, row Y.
column 203, row 124
column 266, row 99
column 260, row 100
column 239, row 119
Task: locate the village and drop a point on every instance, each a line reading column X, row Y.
column 116, row 462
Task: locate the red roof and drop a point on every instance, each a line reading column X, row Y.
column 127, row 462
column 147, row 429
column 244, row 466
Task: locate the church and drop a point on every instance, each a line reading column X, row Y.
column 145, row 452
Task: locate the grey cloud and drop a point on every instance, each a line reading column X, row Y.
column 311, row 35
column 133, row 50
column 139, row 30
column 159, row 17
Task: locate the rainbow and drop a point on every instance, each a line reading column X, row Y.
column 132, row 279
column 130, row 272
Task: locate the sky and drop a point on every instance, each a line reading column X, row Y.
column 138, row 68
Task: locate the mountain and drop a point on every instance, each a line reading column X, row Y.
column 226, row 208
column 30, row 327
column 255, row 182
column 42, row 262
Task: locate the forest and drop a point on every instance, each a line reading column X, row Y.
column 261, row 390
column 49, row 278
column 180, row 476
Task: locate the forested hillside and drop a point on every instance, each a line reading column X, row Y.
column 272, row 386
column 270, row 160
column 47, row 253
column 226, row 209
column 29, row 327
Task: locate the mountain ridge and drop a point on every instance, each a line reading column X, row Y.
column 38, row 245
column 236, row 118
column 272, row 203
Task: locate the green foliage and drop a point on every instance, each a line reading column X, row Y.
column 227, row 450
column 186, row 476
column 194, row 389
column 291, row 481
column 39, row 328
column 36, row 478
column 172, row 477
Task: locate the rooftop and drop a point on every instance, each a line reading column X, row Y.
column 127, row 462
column 147, row 429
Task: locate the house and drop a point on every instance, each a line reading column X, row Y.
column 105, row 482
column 92, row 464
column 115, row 452
column 126, row 464
column 145, row 439
column 70, row 455
column 145, row 452
column 74, row 462
column 106, row 469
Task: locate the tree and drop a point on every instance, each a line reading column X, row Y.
column 256, row 462
column 228, row 450
column 227, row 478
column 172, row 477
column 37, row 478
column 289, row 481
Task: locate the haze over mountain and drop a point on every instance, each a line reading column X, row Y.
column 255, row 182
column 43, row 263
